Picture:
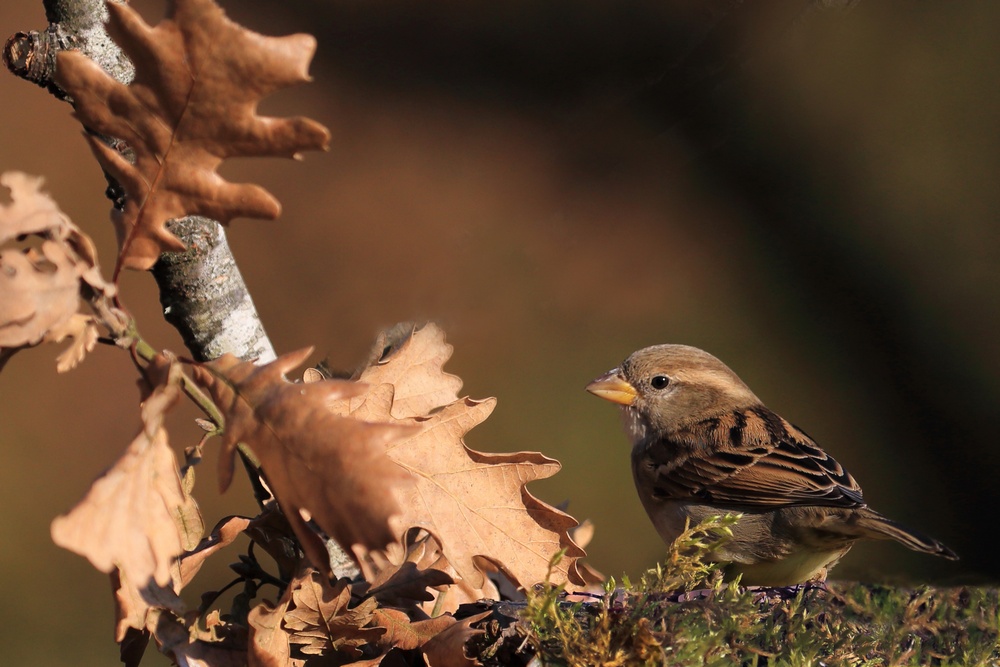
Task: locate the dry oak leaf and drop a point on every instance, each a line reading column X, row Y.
column 225, row 533
column 82, row 330
column 40, row 284
column 475, row 503
column 423, row 549
column 193, row 103
column 134, row 604
column 268, row 645
column 415, row 369
column 406, row 585
column 320, row 620
column 331, row 468
column 271, row 531
column 220, row 644
column 199, row 653
column 136, row 517
column 30, row 210
column 447, row 648
column 404, row 634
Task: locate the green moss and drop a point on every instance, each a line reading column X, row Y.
column 721, row 623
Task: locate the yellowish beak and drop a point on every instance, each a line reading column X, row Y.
column 612, row 387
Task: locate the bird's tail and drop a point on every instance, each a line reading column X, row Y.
column 876, row 526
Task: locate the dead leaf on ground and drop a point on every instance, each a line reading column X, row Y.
column 332, row 468
column 193, row 103
column 45, row 262
column 136, row 517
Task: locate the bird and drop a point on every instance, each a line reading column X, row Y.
column 704, row 445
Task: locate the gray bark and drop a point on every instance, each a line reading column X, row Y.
column 203, row 295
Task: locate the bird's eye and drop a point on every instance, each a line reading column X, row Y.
column 659, row 381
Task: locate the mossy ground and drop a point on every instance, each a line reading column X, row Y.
column 723, row 624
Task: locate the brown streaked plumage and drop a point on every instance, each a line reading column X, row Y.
column 704, row 444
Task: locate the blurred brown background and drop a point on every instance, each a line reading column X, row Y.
column 812, row 197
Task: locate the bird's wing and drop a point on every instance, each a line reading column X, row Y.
column 758, row 461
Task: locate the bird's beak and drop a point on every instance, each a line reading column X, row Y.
column 612, row 387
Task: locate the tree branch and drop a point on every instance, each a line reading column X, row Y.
column 204, row 296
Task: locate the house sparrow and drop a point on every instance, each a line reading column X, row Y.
column 703, row 444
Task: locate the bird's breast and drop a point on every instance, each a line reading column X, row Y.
column 635, row 425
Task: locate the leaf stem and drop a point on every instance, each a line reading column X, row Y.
column 146, row 352
column 260, row 492
column 208, row 599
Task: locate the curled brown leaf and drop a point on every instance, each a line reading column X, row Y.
column 217, row 644
column 406, row 584
column 46, row 262
column 404, row 634
column 269, row 646
column 320, row 466
column 447, row 648
column 135, row 603
column 193, row 103
column 136, row 516
column 225, row 533
column 82, row 330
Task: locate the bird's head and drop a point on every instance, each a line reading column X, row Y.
column 667, row 387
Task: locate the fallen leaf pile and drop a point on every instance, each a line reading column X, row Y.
column 192, row 104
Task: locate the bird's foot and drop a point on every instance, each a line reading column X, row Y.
column 762, row 593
